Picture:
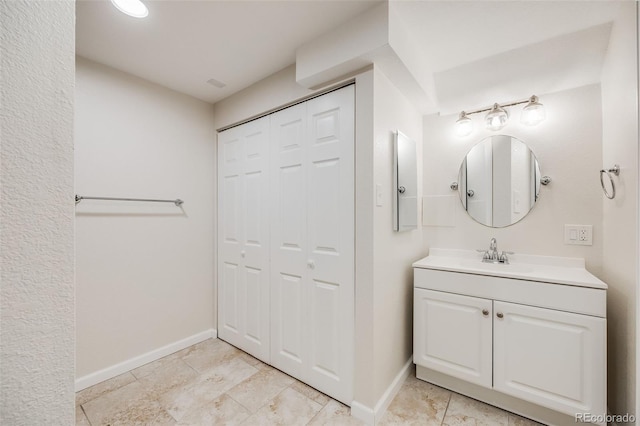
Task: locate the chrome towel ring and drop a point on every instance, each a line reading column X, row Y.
column 616, row 171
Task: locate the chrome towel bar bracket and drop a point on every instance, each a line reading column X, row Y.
column 616, row 171
column 178, row 202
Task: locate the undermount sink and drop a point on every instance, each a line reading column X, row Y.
column 498, row 267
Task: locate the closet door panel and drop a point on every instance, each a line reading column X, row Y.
column 243, row 227
column 325, row 314
column 290, row 331
column 330, row 215
column 288, row 241
column 230, row 147
column 255, row 251
column 228, row 293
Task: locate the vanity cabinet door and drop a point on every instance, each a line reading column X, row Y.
column 552, row 358
column 452, row 335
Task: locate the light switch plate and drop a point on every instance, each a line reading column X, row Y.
column 580, row 235
column 378, row 195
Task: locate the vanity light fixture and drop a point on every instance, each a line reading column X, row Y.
column 497, row 118
column 134, row 8
column 464, row 125
column 532, row 114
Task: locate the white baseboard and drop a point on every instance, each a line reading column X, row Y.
column 373, row 415
column 140, row 360
column 363, row 413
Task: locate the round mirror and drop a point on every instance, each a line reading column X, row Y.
column 499, row 181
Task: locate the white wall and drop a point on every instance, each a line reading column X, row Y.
column 36, row 214
column 394, row 252
column 568, row 147
column 273, row 92
column 620, row 215
column 144, row 271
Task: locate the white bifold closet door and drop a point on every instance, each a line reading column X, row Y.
column 312, row 242
column 243, row 237
column 286, row 240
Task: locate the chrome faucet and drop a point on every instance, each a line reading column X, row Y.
column 493, row 255
column 493, row 249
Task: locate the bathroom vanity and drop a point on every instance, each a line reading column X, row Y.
column 528, row 336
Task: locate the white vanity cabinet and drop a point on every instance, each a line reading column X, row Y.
column 552, row 358
column 452, row 334
column 507, row 337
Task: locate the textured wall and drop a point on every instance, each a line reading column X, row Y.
column 37, row 284
column 144, row 271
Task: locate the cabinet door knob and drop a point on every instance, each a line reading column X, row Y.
column 311, row 264
column 243, row 253
column 485, row 312
column 500, row 315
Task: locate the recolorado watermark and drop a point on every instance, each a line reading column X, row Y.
column 604, row 418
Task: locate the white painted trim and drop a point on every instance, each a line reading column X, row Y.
column 363, row 413
column 637, row 408
column 140, row 360
column 392, row 390
column 372, row 416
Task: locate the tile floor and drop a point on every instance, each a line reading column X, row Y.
column 215, row 383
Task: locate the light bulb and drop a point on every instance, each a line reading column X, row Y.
column 134, row 8
column 533, row 113
column 497, row 118
column 464, row 125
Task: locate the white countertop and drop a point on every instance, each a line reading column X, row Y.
column 550, row 269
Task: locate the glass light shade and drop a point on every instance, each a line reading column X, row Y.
column 533, row 113
column 497, row 118
column 134, row 8
column 464, row 125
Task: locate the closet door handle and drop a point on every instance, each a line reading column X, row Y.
column 311, row 264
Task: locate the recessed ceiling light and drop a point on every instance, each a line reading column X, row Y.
column 214, row 82
column 134, row 8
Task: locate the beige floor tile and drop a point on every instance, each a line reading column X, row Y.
column 81, row 418
column 260, row 388
column 206, row 387
column 220, row 411
column 210, row 353
column 254, row 362
column 289, row 408
column 335, row 413
column 515, row 420
column 95, row 391
column 149, row 368
column 167, row 377
column 310, row 392
column 417, row 403
column 128, row 405
column 467, row 411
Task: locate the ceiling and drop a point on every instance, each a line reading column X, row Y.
column 182, row 44
column 472, row 52
column 479, row 52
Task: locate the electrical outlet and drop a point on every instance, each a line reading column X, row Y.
column 581, row 235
